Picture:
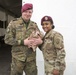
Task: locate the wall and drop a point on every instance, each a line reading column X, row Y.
column 4, row 20
column 63, row 13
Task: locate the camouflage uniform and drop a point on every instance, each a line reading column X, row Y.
column 23, row 58
column 53, row 52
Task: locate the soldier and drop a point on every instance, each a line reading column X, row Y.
column 52, row 48
column 17, row 34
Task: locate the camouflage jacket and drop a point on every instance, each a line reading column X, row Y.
column 16, row 32
column 53, row 49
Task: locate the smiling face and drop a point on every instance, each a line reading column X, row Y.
column 26, row 15
column 47, row 26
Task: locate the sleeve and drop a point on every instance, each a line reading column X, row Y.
column 10, row 35
column 60, row 51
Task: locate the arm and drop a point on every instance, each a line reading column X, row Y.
column 10, row 35
column 59, row 47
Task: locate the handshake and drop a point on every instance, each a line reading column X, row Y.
column 33, row 42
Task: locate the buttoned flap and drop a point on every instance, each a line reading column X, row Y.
column 48, row 43
column 20, row 32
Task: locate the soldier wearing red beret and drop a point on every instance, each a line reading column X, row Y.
column 17, row 34
column 52, row 48
column 26, row 7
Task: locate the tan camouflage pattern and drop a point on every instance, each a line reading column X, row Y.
column 53, row 52
column 17, row 32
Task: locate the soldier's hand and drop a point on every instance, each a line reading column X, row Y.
column 37, row 41
column 55, row 72
column 28, row 42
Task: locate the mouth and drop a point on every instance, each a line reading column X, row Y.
column 45, row 29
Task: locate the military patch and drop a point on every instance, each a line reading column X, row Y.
column 46, row 18
column 57, row 41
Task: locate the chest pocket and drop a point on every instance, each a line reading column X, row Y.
column 20, row 32
column 29, row 31
column 48, row 43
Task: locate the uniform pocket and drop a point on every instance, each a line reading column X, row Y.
column 48, row 44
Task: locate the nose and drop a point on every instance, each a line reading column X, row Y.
column 27, row 13
column 44, row 25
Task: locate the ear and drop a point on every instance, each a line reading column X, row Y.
column 53, row 26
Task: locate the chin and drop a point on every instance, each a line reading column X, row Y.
column 45, row 31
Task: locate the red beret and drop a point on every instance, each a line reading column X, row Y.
column 26, row 7
column 47, row 18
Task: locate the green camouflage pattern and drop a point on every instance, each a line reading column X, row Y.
column 53, row 52
column 16, row 32
column 29, row 68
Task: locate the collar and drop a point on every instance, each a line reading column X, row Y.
column 25, row 21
